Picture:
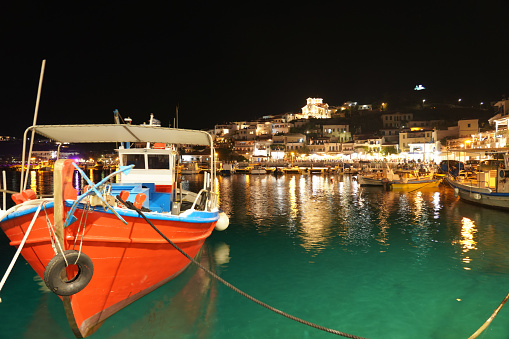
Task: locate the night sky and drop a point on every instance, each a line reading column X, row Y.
column 221, row 62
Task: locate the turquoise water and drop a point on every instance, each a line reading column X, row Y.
column 356, row 259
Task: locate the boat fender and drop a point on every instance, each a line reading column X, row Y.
column 223, row 222
column 57, row 264
column 501, row 173
column 456, row 191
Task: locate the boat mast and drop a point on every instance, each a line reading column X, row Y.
column 24, row 179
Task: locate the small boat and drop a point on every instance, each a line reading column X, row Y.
column 489, row 188
column 277, row 171
column 292, row 170
column 415, row 184
column 409, row 179
column 376, row 178
column 371, row 180
column 227, row 169
column 351, row 168
column 112, row 244
column 243, row 169
column 190, row 168
column 257, row 169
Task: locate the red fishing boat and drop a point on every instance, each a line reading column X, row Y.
column 101, row 249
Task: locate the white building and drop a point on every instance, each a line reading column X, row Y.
column 315, row 108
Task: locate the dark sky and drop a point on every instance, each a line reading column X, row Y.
column 221, row 62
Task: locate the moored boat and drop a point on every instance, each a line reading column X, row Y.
column 292, row 170
column 370, row 180
column 410, row 179
column 258, row 169
column 100, row 250
column 488, row 188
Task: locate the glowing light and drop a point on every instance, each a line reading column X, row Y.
column 419, row 88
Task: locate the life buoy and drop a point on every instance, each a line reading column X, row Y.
column 53, row 271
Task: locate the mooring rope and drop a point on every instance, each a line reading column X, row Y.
column 259, row 302
column 490, row 319
column 20, row 246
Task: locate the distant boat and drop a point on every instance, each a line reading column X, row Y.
column 227, row 169
column 190, row 168
column 370, row 180
column 401, row 179
column 410, row 179
column 415, row 184
column 292, row 170
column 257, row 169
column 118, row 257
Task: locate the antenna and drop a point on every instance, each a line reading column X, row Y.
column 177, row 115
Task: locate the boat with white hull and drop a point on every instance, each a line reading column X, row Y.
column 479, row 191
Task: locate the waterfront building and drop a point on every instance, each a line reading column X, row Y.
column 202, row 156
column 424, row 151
column 415, row 136
column 261, row 148
column 368, row 143
column 483, row 140
column 51, row 155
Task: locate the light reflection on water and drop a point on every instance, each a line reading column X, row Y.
column 320, row 212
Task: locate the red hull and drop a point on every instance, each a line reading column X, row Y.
column 129, row 260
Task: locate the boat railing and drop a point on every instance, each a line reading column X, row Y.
column 209, row 202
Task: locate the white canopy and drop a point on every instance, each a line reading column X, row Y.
column 122, row 133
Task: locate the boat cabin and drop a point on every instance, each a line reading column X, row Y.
column 153, row 175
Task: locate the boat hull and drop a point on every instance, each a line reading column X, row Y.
column 129, row 260
column 417, row 184
column 367, row 181
column 479, row 195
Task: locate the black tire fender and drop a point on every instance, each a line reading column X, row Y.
column 54, row 268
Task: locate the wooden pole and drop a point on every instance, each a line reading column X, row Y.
column 36, row 112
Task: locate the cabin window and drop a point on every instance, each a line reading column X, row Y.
column 138, row 160
column 158, row 161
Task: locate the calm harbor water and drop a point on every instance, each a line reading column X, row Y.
column 361, row 260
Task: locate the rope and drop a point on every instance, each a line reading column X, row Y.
column 86, row 209
column 54, row 241
column 20, row 247
column 421, row 187
column 490, row 319
column 261, row 303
